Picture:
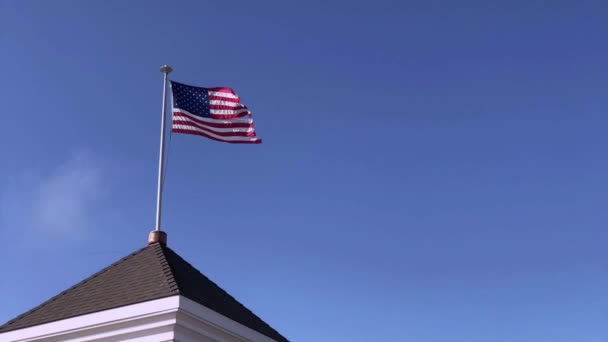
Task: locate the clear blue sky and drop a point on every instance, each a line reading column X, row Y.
column 431, row 171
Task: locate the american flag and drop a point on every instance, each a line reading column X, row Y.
column 215, row 113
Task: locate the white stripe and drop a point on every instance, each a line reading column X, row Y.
column 195, row 129
column 218, row 121
column 179, row 119
column 226, row 103
column 228, row 111
column 222, row 94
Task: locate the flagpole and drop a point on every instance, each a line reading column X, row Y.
column 165, row 69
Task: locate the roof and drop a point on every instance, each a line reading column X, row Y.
column 152, row 272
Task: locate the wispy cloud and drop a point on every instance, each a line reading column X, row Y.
column 63, row 201
column 54, row 203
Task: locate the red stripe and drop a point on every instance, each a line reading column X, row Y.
column 216, row 125
column 228, row 116
column 223, row 90
column 223, row 134
column 224, row 107
column 227, row 99
column 177, row 130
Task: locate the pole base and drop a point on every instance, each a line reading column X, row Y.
column 157, row 236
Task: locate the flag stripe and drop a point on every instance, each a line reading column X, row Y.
column 230, row 139
column 222, row 89
column 228, row 111
column 185, row 131
column 221, row 107
column 187, row 121
column 215, row 123
column 223, row 94
column 223, row 102
column 212, row 97
column 234, row 116
column 221, row 134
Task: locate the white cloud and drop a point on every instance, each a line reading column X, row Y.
column 63, row 201
column 55, row 203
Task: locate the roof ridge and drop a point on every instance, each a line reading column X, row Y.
column 220, row 289
column 166, row 267
column 87, row 279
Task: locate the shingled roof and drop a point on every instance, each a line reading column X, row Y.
column 152, row 272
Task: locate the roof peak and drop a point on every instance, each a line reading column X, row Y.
column 152, row 272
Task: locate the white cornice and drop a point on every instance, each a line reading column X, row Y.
column 201, row 314
column 102, row 325
column 163, row 319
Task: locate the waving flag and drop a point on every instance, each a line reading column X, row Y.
column 215, row 113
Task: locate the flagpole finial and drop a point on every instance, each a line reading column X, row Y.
column 165, row 69
column 157, row 236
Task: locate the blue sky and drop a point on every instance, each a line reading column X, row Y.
column 431, row 171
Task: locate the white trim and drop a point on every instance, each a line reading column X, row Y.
column 202, row 313
column 156, row 320
column 126, row 319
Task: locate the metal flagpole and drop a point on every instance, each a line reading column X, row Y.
column 165, row 69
